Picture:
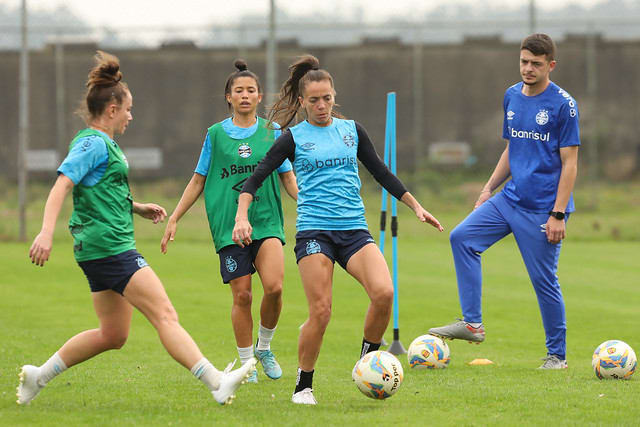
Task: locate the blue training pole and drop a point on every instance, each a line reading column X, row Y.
column 396, row 346
column 383, row 209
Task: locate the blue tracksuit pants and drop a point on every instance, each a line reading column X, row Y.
column 492, row 221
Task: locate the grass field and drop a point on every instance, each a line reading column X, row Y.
column 140, row 385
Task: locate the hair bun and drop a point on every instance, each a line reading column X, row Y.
column 106, row 71
column 241, row 65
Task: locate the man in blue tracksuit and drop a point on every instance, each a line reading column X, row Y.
column 542, row 133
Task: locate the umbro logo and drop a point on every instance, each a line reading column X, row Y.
column 510, row 115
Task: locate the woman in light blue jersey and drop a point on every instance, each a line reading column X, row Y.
column 325, row 149
column 102, row 225
column 231, row 151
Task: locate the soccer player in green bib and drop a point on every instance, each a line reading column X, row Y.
column 96, row 170
column 231, row 151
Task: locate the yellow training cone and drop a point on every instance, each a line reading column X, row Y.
column 481, row 362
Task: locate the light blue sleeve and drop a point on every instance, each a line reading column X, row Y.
column 205, row 157
column 88, row 158
column 286, row 165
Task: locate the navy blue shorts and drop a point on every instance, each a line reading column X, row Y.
column 337, row 245
column 237, row 262
column 112, row 272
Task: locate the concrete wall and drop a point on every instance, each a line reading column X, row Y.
column 178, row 93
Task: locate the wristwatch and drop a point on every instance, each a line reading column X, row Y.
column 557, row 215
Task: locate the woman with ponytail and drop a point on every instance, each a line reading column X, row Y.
column 231, row 151
column 101, row 224
column 324, row 149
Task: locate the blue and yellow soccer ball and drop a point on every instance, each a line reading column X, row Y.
column 428, row 352
column 614, row 359
column 378, row 374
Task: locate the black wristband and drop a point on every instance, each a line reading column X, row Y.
column 557, row 215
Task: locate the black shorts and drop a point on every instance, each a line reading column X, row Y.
column 112, row 272
column 237, row 262
column 337, row 245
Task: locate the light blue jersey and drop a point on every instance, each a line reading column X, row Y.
column 537, row 127
column 326, row 165
column 87, row 161
column 234, row 132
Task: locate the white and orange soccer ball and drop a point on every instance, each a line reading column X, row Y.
column 614, row 359
column 428, row 352
column 378, row 374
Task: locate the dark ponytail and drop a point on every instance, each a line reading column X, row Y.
column 242, row 70
column 104, row 85
column 304, row 70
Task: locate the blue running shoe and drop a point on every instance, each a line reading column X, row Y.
column 271, row 367
column 253, row 377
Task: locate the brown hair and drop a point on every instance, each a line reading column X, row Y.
column 540, row 44
column 242, row 70
column 104, row 85
column 305, row 69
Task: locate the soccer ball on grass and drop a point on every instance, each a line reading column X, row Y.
column 378, row 374
column 614, row 359
column 428, row 352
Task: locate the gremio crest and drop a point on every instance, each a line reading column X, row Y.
column 542, row 118
column 231, row 264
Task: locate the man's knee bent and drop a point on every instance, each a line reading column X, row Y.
column 457, row 236
column 242, row 298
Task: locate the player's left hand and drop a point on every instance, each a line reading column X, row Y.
column 555, row 230
column 151, row 211
column 425, row 216
column 241, row 233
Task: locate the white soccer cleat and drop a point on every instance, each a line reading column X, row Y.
column 304, row 397
column 231, row 380
column 29, row 386
column 554, row 362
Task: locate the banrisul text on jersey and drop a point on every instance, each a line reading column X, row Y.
column 536, row 128
column 232, row 162
column 327, row 172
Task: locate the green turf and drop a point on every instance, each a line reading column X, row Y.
column 140, row 385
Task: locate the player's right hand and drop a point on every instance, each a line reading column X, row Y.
column 169, row 234
column 242, row 233
column 41, row 248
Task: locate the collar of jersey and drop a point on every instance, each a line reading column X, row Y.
column 237, row 132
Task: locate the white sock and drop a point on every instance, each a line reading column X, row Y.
column 245, row 353
column 52, row 367
column 265, row 335
column 474, row 324
column 207, row 373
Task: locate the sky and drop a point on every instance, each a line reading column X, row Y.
column 150, row 13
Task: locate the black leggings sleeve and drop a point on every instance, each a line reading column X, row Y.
column 370, row 159
column 282, row 148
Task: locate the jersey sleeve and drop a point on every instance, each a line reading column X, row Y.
column 370, row 159
column 286, row 165
column 204, row 161
column 505, row 123
column 284, row 148
column 568, row 124
column 87, row 154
